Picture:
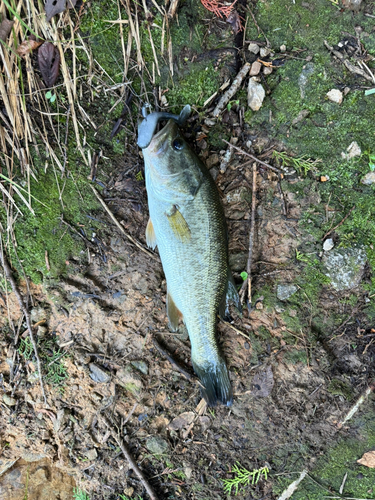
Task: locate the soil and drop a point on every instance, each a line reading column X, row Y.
column 297, row 365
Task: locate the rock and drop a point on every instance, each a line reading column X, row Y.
column 353, row 150
column 285, row 291
column 328, row 244
column 255, row 68
column 91, row 454
column 129, row 379
column 9, row 401
column 141, row 366
column 188, row 470
column 42, row 331
column 254, row 48
column 345, row 267
column 157, row 445
column 182, row 421
column 368, row 178
column 267, row 70
column 282, row 48
column 255, row 94
column 212, row 160
column 98, row 374
column 335, row 95
column 33, row 377
column 265, row 51
column 205, row 422
column 209, row 122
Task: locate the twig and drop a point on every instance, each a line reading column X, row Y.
column 292, row 487
column 130, row 238
column 251, row 242
column 173, row 362
column 347, row 64
column 358, row 403
column 126, row 452
column 9, row 276
column 232, row 90
column 237, row 330
column 339, row 224
column 267, row 165
column 173, row 8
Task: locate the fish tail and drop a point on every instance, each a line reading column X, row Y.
column 216, row 384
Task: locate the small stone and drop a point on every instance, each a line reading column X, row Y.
column 141, row 366
column 345, row 267
column 128, row 492
column 42, row 331
column 285, row 291
column 279, row 309
column 368, row 179
column 264, row 51
column 255, row 94
column 267, row 70
column 292, row 313
column 212, row 160
column 205, row 422
column 328, row 244
column 249, row 144
column 353, row 150
column 98, row 374
column 188, row 471
column 254, row 48
column 335, row 95
column 214, row 173
column 33, row 377
column 283, row 48
column 9, row 401
column 255, row 68
column 157, row 445
column 163, row 101
column 91, row 454
column 130, row 380
column 209, row 122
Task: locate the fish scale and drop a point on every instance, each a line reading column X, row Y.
column 187, row 224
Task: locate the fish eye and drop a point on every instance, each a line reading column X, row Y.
column 177, row 144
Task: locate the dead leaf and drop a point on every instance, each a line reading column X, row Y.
column 5, row 29
column 49, row 63
column 53, row 7
column 182, row 421
column 27, row 46
column 263, row 383
column 368, row 459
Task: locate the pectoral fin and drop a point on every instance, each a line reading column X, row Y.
column 179, row 225
column 150, row 235
column 173, row 313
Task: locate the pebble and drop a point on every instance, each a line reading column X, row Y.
column 209, row 122
column 254, row 48
column 255, row 68
column 267, row 70
column 352, row 151
column 255, row 94
column 335, row 95
column 91, row 454
column 98, row 374
column 212, row 160
column 141, row 366
column 157, row 445
column 129, row 379
column 328, row 244
column 9, row 401
column 285, row 291
column 283, row 48
column 264, row 51
column 368, row 179
column 344, row 267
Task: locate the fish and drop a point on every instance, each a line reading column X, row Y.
column 188, row 226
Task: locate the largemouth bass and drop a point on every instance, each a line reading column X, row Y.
column 188, row 226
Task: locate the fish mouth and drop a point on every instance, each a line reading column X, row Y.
column 160, row 142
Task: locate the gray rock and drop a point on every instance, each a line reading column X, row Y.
column 254, row 48
column 344, row 267
column 255, row 94
column 141, row 366
column 98, row 374
column 303, row 78
column 157, row 445
column 285, row 291
column 368, row 179
column 352, row 151
column 9, row 401
column 91, row 454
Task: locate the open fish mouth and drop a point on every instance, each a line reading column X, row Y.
column 147, row 127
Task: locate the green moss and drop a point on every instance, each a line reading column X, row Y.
column 341, row 388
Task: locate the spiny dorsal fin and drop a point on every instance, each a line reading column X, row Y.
column 179, row 225
column 150, row 235
column 173, row 313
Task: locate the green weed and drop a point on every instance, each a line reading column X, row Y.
column 80, row 494
column 303, row 164
column 243, row 477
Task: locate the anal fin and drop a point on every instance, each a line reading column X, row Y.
column 173, row 313
column 150, row 235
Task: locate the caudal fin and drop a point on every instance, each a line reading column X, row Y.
column 216, row 384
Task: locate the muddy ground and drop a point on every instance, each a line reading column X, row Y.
column 298, row 364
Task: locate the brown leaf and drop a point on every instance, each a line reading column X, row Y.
column 27, row 46
column 368, row 459
column 182, row 421
column 53, row 7
column 5, row 29
column 49, row 63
